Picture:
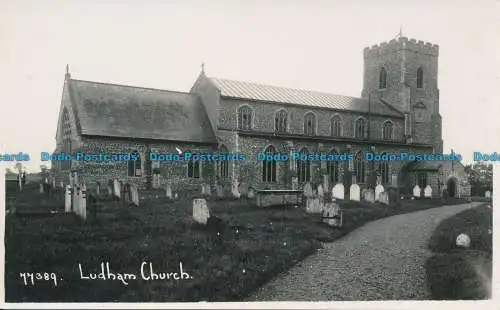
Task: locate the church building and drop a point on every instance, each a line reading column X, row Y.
column 398, row 111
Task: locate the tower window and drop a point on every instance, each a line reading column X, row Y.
column 420, row 78
column 383, row 78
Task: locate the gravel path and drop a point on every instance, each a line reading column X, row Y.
column 383, row 260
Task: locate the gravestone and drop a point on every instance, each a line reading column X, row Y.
column 332, row 215
column 61, row 184
column 76, row 200
column 41, row 188
column 320, row 192
column 368, row 195
column 428, row 191
column 200, row 211
column 308, row 190
column 168, row 190
column 220, row 190
column 75, row 177
column 416, row 191
column 393, row 195
column 354, row 193
column 67, row 199
column 384, row 198
column 176, row 196
column 110, row 189
column 83, row 202
column 251, row 193
column 71, row 180
column 487, row 194
column 117, row 189
column 313, row 205
column 378, row 189
column 243, row 189
column 134, row 193
column 394, row 180
column 338, row 191
column 234, row 189
column 463, row 241
column 295, row 183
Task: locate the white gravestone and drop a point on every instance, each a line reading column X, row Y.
column 416, row 191
column 487, row 194
column 67, row 199
column 61, row 184
column 308, row 190
column 117, row 189
column 251, row 193
column 168, row 190
column 243, row 189
column 384, row 198
column 234, row 189
column 378, row 189
column 320, row 191
column 176, row 196
column 135, row 194
column 428, row 191
column 354, row 193
column 463, row 241
column 332, row 214
column 83, row 202
column 295, row 183
column 200, row 211
column 369, row 195
column 338, row 191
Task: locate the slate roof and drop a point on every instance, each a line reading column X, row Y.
column 252, row 91
column 132, row 112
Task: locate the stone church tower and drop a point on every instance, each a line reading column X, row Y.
column 404, row 74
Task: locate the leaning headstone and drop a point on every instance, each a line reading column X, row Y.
column 234, row 189
column 487, row 194
column 168, row 190
column 416, row 191
column 338, row 191
column 463, row 241
column 251, row 193
column 354, row 193
column 378, row 189
column 369, row 195
column 428, row 191
column 200, row 211
column 384, row 198
column 332, row 215
column 67, row 199
column 135, row 194
column 117, row 189
column 308, row 190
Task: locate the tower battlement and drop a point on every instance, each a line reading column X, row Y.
column 399, row 44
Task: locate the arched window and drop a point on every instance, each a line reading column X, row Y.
column 383, row 78
column 384, row 171
column 360, row 128
column 333, row 169
column 310, row 124
column 420, row 78
column 269, row 166
column 304, row 167
column 134, row 166
column 223, row 165
column 336, row 126
column 194, row 169
column 66, row 138
column 245, row 118
column 359, row 167
column 280, row 121
column 387, row 130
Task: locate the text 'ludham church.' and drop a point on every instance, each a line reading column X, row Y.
column 397, row 112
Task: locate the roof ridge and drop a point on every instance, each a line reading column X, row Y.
column 132, row 86
column 285, row 88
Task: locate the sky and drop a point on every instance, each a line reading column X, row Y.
column 315, row 45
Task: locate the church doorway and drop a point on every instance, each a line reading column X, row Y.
column 451, row 186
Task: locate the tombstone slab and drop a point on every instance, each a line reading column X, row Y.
column 354, row 192
column 332, row 214
column 428, row 191
column 378, row 189
column 67, row 199
column 416, row 191
column 384, row 198
column 338, row 191
column 200, row 211
column 135, row 194
column 117, row 189
column 368, row 195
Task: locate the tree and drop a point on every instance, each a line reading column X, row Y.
column 480, row 177
column 19, row 167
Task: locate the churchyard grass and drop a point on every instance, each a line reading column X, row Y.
column 462, row 273
column 257, row 245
